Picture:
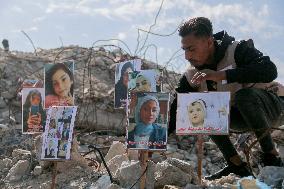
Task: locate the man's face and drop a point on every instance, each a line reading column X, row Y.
column 197, row 49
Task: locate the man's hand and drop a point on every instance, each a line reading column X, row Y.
column 212, row 75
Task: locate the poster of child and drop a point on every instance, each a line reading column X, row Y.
column 147, row 128
column 58, row 135
column 122, row 79
column 59, row 84
column 203, row 113
column 33, row 114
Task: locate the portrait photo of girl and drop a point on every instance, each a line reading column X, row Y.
column 203, row 113
column 33, row 114
column 59, row 84
column 122, row 79
column 148, row 128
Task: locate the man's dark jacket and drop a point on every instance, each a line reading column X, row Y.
column 252, row 67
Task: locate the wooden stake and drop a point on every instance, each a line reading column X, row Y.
column 54, row 174
column 199, row 156
column 143, row 161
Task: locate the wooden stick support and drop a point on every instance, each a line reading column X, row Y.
column 143, row 160
column 199, row 156
column 54, row 174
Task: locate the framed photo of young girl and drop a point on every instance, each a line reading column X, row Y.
column 58, row 134
column 121, row 80
column 59, row 84
column 33, row 112
column 203, row 113
column 147, row 116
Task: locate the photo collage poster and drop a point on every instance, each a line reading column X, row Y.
column 147, row 121
column 58, row 134
column 122, row 79
column 59, row 84
column 203, row 113
column 33, row 112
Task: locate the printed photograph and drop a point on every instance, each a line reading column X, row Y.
column 203, row 113
column 33, row 112
column 122, row 79
column 144, row 81
column 59, row 84
column 147, row 121
column 32, row 83
column 58, row 134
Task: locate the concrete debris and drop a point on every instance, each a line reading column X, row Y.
column 167, row 174
column 117, row 148
column 272, row 176
column 115, row 163
column 98, row 123
column 37, row 170
column 20, row 169
column 102, row 182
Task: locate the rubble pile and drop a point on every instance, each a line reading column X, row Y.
column 20, row 166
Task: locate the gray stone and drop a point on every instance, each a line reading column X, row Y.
column 191, row 186
column 114, row 186
column 20, row 169
column 117, row 148
column 20, row 153
column 7, row 95
column 281, row 151
column 5, row 114
column 37, row 170
column 7, row 162
column 182, row 165
column 2, row 103
column 271, row 175
column 185, row 167
column 3, row 127
column 115, row 163
column 167, row 174
column 102, row 182
column 128, row 173
column 171, row 187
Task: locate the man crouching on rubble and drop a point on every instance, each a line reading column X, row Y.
column 223, row 64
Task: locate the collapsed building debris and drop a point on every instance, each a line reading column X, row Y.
column 98, row 123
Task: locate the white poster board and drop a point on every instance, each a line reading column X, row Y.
column 58, row 135
column 147, row 116
column 203, row 113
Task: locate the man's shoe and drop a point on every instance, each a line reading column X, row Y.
column 240, row 170
column 268, row 159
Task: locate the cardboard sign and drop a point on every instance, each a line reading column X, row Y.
column 203, row 113
column 58, row 133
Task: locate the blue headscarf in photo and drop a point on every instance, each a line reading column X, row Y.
column 142, row 128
